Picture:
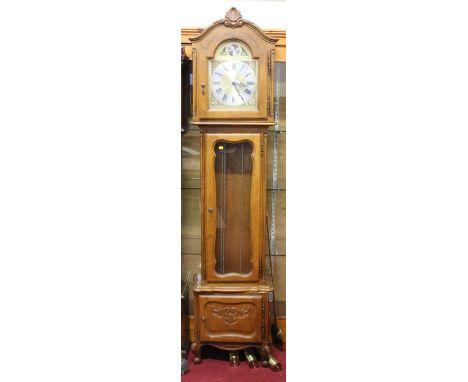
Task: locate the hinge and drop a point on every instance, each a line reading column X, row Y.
column 268, row 105
column 269, row 64
column 260, row 268
column 261, row 148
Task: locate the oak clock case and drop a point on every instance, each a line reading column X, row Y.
column 233, row 107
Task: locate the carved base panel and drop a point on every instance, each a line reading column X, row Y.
column 231, row 322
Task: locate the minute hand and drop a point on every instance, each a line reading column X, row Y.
column 235, row 84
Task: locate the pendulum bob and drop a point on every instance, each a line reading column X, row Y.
column 251, row 359
column 273, row 363
column 234, row 358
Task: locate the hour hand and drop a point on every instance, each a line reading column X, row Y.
column 235, row 84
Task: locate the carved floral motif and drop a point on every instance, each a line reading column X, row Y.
column 233, row 18
column 230, row 314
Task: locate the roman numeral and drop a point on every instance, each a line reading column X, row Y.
column 218, row 91
column 233, row 99
column 216, row 83
column 248, row 74
column 225, row 98
column 218, row 74
column 250, row 83
column 247, row 91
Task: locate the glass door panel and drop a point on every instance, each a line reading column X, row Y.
column 233, row 178
column 233, row 199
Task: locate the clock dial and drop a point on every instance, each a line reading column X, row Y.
column 233, row 77
column 233, row 83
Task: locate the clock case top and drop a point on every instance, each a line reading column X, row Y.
column 262, row 47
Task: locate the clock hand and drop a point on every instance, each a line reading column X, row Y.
column 238, row 92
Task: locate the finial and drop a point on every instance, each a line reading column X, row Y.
column 233, row 18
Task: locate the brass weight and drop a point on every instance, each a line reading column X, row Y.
column 273, row 363
column 251, row 359
column 234, row 358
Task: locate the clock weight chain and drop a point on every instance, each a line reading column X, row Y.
column 241, row 244
column 223, row 204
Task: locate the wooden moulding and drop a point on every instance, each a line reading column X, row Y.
column 233, row 123
column 278, row 34
column 234, row 288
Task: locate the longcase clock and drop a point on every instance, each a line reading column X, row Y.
column 233, row 106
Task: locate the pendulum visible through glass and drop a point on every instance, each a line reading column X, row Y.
column 233, row 174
